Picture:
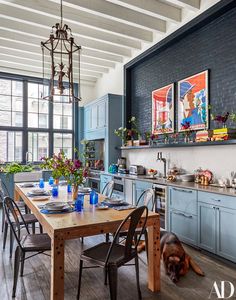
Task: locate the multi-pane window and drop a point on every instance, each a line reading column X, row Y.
column 37, row 108
column 10, row 146
column 11, row 104
column 38, row 144
column 41, row 128
column 63, row 142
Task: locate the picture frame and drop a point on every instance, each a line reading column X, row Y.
column 192, row 102
column 163, row 110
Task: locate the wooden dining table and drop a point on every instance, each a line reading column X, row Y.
column 91, row 221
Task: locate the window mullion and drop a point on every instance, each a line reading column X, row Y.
column 25, row 121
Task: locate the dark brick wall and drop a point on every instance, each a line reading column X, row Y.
column 212, row 47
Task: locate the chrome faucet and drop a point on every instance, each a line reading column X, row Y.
column 27, row 157
column 160, row 158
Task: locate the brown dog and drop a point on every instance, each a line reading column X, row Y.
column 175, row 259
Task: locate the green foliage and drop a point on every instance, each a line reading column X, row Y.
column 14, row 168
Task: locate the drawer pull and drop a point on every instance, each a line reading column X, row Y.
column 217, row 200
column 183, row 215
column 181, row 190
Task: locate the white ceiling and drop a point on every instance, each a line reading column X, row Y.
column 109, row 31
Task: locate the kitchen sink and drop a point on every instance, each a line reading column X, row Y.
column 28, row 176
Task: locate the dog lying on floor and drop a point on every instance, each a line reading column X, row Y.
column 176, row 261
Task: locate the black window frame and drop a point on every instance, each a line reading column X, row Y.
column 50, row 130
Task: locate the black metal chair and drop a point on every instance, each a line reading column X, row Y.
column 108, row 189
column 28, row 243
column 147, row 198
column 29, row 219
column 111, row 256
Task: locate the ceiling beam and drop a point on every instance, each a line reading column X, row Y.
column 20, row 44
column 153, row 8
column 16, row 57
column 189, row 4
column 23, row 64
column 116, row 12
column 13, row 50
column 8, row 66
column 81, row 22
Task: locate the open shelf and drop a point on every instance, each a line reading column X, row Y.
column 181, row 144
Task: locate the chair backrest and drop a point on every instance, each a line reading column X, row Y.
column 14, row 218
column 3, row 189
column 108, row 189
column 147, row 198
column 133, row 220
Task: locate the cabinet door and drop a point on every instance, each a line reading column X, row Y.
column 207, row 227
column 140, row 187
column 129, row 190
column 183, row 200
column 94, row 116
column 87, row 119
column 226, row 234
column 184, row 226
column 101, row 114
column 104, row 179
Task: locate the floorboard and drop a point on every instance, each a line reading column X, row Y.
column 35, row 284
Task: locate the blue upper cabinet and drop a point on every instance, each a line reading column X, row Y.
column 101, row 118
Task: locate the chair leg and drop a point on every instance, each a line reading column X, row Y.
column 146, row 242
column 80, row 276
column 16, row 270
column 105, row 276
column 107, row 238
column 40, row 228
column 137, row 277
column 3, row 219
column 22, row 263
column 5, row 235
column 112, row 276
column 11, row 242
column 33, row 228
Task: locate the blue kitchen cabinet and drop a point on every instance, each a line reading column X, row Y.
column 217, row 223
column 140, row 187
column 101, row 118
column 182, row 214
column 104, row 179
column 206, row 227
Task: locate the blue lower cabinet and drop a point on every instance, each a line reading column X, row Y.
column 206, row 227
column 226, row 233
column 184, row 225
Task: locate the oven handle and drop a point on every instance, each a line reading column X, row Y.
column 182, row 190
column 183, row 215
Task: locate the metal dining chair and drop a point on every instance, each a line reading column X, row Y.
column 28, row 243
column 147, row 198
column 29, row 219
column 108, row 189
column 111, row 256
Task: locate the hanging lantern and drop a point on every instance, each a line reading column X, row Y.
column 63, row 53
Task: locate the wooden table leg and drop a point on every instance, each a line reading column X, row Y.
column 154, row 283
column 16, row 195
column 57, row 267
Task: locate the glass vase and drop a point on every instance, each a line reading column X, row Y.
column 75, row 191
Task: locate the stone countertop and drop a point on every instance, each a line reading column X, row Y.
column 179, row 184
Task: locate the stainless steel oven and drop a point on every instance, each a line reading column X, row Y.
column 161, row 203
column 119, row 188
column 93, row 180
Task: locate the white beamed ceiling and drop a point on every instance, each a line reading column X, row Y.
column 109, row 31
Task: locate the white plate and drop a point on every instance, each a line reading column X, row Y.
column 40, row 198
column 38, row 191
column 27, row 185
column 56, row 206
column 114, row 201
column 84, row 190
column 102, row 207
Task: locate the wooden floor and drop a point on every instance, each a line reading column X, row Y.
column 35, row 285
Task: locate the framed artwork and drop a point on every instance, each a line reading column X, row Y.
column 193, row 102
column 163, row 109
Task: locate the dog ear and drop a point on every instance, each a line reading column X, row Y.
column 184, row 264
column 195, row 267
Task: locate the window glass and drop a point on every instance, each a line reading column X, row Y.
column 38, row 144
column 62, row 116
column 63, row 142
column 10, row 146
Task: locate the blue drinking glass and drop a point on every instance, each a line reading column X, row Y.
column 41, row 183
column 55, row 190
column 79, row 203
column 93, row 198
column 69, row 190
column 51, row 181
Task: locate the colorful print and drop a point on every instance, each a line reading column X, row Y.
column 193, row 102
column 163, row 110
